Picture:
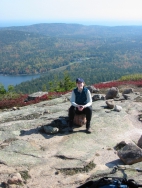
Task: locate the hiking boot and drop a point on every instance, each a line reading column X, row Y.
column 88, row 130
column 70, row 129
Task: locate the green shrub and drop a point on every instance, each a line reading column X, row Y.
column 131, row 77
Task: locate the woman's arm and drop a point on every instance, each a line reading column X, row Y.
column 89, row 99
column 72, row 100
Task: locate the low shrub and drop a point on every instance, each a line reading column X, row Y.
column 19, row 101
column 104, row 85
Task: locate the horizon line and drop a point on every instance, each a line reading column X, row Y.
column 108, row 23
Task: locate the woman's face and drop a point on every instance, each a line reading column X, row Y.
column 80, row 85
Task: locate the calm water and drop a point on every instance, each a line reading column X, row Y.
column 14, row 80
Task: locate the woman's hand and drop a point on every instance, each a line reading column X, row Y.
column 80, row 108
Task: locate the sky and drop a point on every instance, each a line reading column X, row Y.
column 87, row 12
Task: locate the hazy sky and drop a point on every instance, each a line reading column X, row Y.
column 103, row 12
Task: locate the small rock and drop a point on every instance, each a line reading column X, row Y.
column 97, row 154
column 57, row 172
column 137, row 93
column 109, row 148
column 110, row 103
column 92, row 89
column 96, row 97
column 126, row 96
column 46, row 112
column 108, row 111
column 128, row 91
column 14, row 108
column 50, row 129
column 117, row 108
column 15, row 178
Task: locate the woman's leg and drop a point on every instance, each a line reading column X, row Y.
column 71, row 115
column 88, row 112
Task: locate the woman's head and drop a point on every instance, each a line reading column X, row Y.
column 80, row 83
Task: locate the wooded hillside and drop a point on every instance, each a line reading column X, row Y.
column 96, row 53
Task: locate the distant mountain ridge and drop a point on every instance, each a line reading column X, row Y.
column 60, row 29
column 96, row 53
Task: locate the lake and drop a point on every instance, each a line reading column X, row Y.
column 7, row 80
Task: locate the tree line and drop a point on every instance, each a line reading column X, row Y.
column 96, row 53
column 25, row 52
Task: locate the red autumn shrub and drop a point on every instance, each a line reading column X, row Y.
column 117, row 83
column 20, row 100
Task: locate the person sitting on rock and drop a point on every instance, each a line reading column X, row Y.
column 81, row 103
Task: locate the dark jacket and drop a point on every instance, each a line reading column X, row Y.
column 81, row 98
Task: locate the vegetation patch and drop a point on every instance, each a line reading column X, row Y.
column 7, row 103
column 118, row 83
column 73, row 171
column 42, row 148
column 25, row 175
column 9, row 99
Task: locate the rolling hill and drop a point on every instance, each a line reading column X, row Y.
column 96, row 53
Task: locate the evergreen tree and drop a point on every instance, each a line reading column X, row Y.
column 63, row 85
column 2, row 89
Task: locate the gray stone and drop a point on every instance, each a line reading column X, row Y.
column 33, row 96
column 112, row 93
column 126, row 96
column 92, row 89
column 128, row 91
column 96, row 97
column 110, row 103
column 117, row 108
column 50, row 129
column 15, row 178
column 130, row 154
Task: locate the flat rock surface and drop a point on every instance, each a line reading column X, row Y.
column 66, row 160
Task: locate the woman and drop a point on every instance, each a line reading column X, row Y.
column 81, row 102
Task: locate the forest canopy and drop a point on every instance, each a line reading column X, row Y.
column 96, row 53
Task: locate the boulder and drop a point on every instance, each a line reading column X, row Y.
column 92, row 89
column 128, row 91
column 96, row 97
column 110, row 103
column 130, row 154
column 137, row 138
column 112, row 93
column 35, row 95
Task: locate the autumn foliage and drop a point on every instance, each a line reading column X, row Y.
column 20, row 100
column 117, row 83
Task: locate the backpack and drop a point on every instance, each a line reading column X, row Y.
column 111, row 182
